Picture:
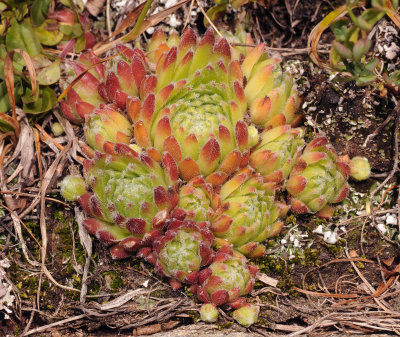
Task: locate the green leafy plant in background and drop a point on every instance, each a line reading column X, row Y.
column 350, row 51
column 31, row 27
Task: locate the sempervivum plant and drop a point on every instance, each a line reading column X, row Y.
column 198, row 199
column 226, row 279
column 275, row 155
column 318, row 179
column 194, row 107
column 182, row 251
column 130, row 199
column 248, row 213
column 84, row 96
column 105, row 124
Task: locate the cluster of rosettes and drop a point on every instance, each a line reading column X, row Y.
column 190, row 141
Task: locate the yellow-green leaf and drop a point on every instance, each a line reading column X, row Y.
column 49, row 75
column 47, row 34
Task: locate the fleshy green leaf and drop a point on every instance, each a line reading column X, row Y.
column 46, row 100
column 50, row 74
column 22, row 36
column 339, row 28
column 361, row 48
column 365, row 80
column 39, row 11
column 47, row 34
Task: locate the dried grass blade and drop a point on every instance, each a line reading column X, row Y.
column 149, row 22
column 324, row 294
column 315, row 35
column 9, row 78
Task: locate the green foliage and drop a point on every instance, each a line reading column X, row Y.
column 350, row 49
column 29, row 26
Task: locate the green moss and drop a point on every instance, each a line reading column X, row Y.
column 114, row 280
column 335, row 250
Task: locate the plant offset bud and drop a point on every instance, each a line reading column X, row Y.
column 83, row 97
column 246, row 315
column 57, row 129
column 318, row 179
column 360, row 169
column 209, row 313
column 72, row 187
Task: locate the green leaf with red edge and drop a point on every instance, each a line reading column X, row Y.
column 342, row 51
column 361, row 48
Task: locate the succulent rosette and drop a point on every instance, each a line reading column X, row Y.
column 248, row 213
column 198, row 199
column 123, row 76
column 105, row 124
column 226, row 279
column 318, row 179
column 182, row 251
column 194, row 107
column 130, row 199
column 277, row 152
column 270, row 93
column 83, row 97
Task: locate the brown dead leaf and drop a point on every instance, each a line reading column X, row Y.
column 9, row 78
column 267, row 280
column 26, row 152
column 95, row 7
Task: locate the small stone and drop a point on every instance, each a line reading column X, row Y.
column 381, row 228
column 391, row 220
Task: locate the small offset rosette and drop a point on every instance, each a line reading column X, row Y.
column 226, row 280
column 277, row 152
column 131, row 197
column 124, row 76
column 198, row 199
column 182, row 251
column 271, row 94
column 248, row 214
column 318, row 179
column 106, row 124
column 83, row 97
